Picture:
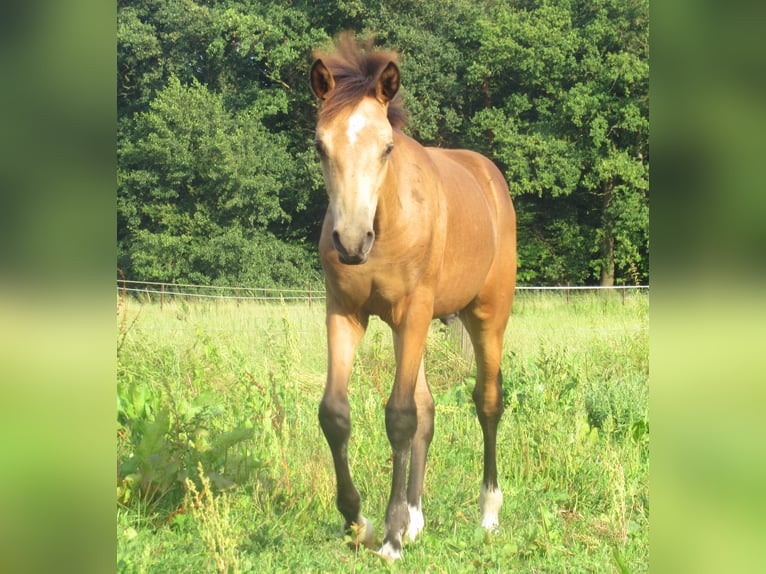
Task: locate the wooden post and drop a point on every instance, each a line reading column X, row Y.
column 162, row 296
column 567, row 293
column 309, row 295
column 459, row 334
column 237, row 294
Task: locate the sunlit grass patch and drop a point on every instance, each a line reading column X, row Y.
column 236, row 388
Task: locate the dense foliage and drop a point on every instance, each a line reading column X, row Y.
column 217, row 179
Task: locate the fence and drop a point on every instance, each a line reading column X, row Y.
column 157, row 291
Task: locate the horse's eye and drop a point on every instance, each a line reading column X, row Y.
column 388, row 149
column 319, row 146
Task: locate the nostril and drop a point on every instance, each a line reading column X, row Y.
column 368, row 241
column 337, row 243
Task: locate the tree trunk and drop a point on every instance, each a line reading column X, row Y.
column 607, row 243
column 607, row 271
column 489, row 133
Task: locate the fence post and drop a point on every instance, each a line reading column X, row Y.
column 309, row 295
column 459, row 335
column 568, row 293
column 162, row 296
column 237, row 294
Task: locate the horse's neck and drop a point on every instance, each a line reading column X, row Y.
column 404, row 197
column 388, row 211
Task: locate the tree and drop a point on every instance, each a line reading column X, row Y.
column 217, row 174
column 566, row 88
column 213, row 140
column 198, row 187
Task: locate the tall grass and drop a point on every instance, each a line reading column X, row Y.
column 235, row 388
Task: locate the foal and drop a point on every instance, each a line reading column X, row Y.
column 410, row 234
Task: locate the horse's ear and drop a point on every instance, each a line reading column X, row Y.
column 321, row 80
column 388, row 83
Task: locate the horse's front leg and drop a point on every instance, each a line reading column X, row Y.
column 344, row 332
column 402, row 424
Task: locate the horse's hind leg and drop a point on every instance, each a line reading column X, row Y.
column 487, row 337
column 343, row 336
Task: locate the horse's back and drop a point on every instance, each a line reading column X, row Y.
column 487, row 175
column 484, row 181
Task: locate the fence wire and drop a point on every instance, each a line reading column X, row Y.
column 158, row 290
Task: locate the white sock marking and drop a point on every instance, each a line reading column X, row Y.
column 416, row 522
column 490, row 501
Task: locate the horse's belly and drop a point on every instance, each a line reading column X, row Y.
column 456, row 290
column 469, row 251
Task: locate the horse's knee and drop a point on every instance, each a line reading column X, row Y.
column 335, row 419
column 401, row 423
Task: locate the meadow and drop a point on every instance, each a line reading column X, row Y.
column 222, row 466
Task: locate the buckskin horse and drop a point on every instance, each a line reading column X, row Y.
column 411, row 233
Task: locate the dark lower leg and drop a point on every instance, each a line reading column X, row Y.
column 420, row 444
column 401, row 423
column 334, row 418
column 489, row 408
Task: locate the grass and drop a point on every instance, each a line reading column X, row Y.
column 222, row 466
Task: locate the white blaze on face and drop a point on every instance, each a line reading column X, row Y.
column 354, row 167
column 355, row 124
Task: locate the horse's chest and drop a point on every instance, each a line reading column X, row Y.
column 377, row 290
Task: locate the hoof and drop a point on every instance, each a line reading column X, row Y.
column 490, row 522
column 362, row 533
column 389, row 552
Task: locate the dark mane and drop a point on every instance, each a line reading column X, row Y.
column 356, row 66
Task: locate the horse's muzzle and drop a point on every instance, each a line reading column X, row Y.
column 355, row 254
